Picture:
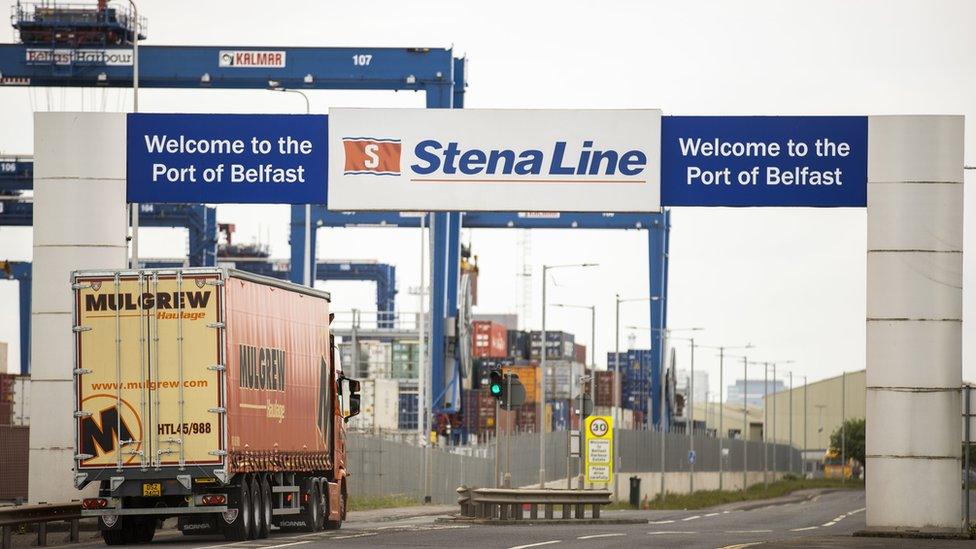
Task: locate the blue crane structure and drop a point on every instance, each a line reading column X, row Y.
column 433, row 71
column 657, row 225
column 42, row 61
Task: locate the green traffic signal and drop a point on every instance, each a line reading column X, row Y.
column 496, row 389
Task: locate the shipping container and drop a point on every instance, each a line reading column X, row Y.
column 21, row 403
column 405, row 359
column 377, row 359
column 380, row 406
column 213, row 373
column 489, row 340
column 559, row 414
column 518, row 344
column 528, row 418
column 529, row 377
column 607, row 391
column 407, row 420
column 483, row 366
column 579, row 353
column 559, row 346
column 562, row 378
column 14, row 463
column 478, row 411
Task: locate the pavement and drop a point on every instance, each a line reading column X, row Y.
column 809, row 519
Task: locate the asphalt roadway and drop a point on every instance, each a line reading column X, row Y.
column 808, row 520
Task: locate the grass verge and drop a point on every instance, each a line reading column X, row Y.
column 711, row 498
column 367, row 503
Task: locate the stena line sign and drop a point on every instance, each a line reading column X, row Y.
column 494, row 160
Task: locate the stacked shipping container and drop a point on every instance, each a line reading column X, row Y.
column 490, row 340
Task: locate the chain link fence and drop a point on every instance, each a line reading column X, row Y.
column 382, row 467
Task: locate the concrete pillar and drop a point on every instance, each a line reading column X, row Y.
column 79, row 223
column 914, row 322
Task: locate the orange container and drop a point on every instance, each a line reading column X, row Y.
column 529, row 376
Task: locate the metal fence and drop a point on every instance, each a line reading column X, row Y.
column 384, row 467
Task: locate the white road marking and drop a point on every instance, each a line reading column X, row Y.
column 693, row 517
column 668, row 532
column 594, row 536
column 804, row 529
column 855, row 511
column 363, row 535
column 536, row 544
column 661, row 522
column 711, row 514
column 286, row 544
column 748, row 531
column 741, row 545
column 831, row 523
column 726, row 512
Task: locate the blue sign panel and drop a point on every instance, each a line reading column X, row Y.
column 226, row 158
column 818, row 161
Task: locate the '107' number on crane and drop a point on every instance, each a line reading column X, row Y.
column 362, row 59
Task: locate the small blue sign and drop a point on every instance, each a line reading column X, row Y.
column 226, row 158
column 691, row 457
column 817, row 161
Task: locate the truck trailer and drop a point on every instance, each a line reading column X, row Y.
column 208, row 394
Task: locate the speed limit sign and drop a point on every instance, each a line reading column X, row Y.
column 598, row 451
column 599, row 427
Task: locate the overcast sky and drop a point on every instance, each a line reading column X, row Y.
column 790, row 281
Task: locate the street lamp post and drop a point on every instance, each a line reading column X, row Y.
column 307, row 271
column 542, row 372
column 134, row 207
column 776, row 413
column 569, row 455
column 721, row 405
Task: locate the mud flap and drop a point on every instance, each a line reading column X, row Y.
column 334, row 494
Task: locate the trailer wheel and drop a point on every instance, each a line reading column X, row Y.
column 312, row 515
column 257, row 503
column 144, row 531
column 114, row 537
column 240, row 529
column 267, row 498
column 122, row 535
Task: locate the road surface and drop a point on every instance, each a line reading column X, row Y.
column 825, row 520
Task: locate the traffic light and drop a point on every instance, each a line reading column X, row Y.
column 495, row 387
column 506, row 388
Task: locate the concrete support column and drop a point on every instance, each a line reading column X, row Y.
column 79, row 223
column 914, row 322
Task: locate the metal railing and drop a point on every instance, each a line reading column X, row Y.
column 507, row 504
column 41, row 515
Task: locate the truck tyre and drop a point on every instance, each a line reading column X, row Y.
column 336, row 524
column 114, row 537
column 312, row 515
column 257, row 503
column 123, row 535
column 143, row 531
column 240, row 529
column 268, row 501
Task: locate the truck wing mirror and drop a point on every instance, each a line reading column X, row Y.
column 353, row 405
column 353, row 385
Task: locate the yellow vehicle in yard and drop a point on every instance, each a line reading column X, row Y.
column 835, row 467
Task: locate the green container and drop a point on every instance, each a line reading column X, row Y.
column 405, row 359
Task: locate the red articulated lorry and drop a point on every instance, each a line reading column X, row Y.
column 211, row 395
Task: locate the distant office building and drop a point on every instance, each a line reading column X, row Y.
column 753, row 394
column 701, row 384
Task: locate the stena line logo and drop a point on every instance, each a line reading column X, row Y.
column 371, row 156
column 436, row 161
